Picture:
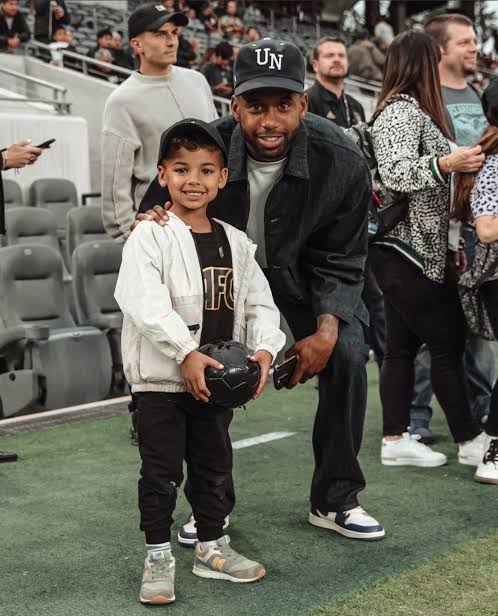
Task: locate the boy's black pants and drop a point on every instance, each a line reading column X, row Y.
column 173, row 428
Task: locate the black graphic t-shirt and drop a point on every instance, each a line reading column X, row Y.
column 215, row 258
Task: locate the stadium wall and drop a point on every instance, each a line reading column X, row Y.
column 87, row 96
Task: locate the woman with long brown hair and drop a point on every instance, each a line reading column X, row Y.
column 411, row 262
column 477, row 197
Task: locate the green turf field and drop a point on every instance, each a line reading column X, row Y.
column 70, row 544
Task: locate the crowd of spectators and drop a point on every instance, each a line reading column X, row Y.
column 216, row 30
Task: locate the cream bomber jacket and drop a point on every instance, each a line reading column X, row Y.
column 160, row 291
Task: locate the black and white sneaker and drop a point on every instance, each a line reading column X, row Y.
column 487, row 471
column 187, row 535
column 354, row 524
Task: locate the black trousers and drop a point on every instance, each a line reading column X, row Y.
column 489, row 294
column 419, row 310
column 173, row 428
column 374, row 301
column 338, row 427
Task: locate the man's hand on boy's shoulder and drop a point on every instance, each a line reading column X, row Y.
column 157, row 214
column 264, row 359
column 192, row 369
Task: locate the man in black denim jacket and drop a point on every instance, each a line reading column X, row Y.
column 314, row 238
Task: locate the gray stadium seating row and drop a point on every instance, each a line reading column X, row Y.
column 49, row 359
column 57, row 197
column 53, row 326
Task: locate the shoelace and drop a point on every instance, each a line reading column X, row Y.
column 159, row 568
column 492, row 454
column 359, row 510
column 417, row 437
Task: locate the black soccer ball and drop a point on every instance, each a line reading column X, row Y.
column 236, row 383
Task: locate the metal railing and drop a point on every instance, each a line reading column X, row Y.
column 84, row 64
column 91, row 66
column 30, row 87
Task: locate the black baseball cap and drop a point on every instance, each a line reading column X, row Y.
column 269, row 63
column 188, row 127
column 150, row 17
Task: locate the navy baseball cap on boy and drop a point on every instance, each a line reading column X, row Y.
column 150, row 17
column 188, row 127
column 269, row 63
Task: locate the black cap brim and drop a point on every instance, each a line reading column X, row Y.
column 278, row 83
column 177, row 18
column 184, row 127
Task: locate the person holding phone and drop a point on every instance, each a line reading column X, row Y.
column 16, row 156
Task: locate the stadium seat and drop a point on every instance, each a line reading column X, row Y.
column 47, row 360
column 84, row 224
column 95, row 272
column 12, row 193
column 27, row 225
column 57, row 195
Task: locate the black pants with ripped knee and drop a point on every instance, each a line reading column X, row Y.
column 173, row 428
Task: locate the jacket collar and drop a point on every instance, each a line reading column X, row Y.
column 297, row 160
column 327, row 95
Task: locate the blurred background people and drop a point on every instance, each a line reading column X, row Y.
column 230, row 24
column 217, row 72
column 13, row 27
column 48, row 15
column 365, row 59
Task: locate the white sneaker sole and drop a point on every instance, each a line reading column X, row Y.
column 191, row 542
column 157, row 600
column 469, row 461
column 186, row 542
column 219, row 575
column 488, row 480
column 350, row 534
column 413, row 462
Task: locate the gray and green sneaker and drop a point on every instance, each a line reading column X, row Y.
column 223, row 563
column 158, row 581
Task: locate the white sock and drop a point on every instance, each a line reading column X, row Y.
column 158, row 547
column 205, row 545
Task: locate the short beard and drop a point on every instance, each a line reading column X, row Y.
column 334, row 79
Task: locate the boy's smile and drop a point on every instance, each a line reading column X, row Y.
column 193, row 178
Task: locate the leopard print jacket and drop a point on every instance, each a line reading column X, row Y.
column 407, row 144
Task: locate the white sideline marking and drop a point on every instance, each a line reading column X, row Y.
column 264, row 438
column 243, row 443
column 68, row 409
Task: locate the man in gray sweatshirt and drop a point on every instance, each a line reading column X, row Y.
column 141, row 108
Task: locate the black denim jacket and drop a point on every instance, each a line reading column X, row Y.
column 315, row 216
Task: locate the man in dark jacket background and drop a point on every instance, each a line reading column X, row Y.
column 327, row 97
column 48, row 15
column 301, row 190
column 13, row 27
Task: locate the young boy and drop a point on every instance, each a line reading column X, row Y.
column 190, row 282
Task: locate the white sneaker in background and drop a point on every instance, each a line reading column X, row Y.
column 472, row 452
column 408, row 451
column 487, row 471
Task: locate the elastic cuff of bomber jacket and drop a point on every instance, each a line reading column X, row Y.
column 269, row 348
column 438, row 176
column 185, row 350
